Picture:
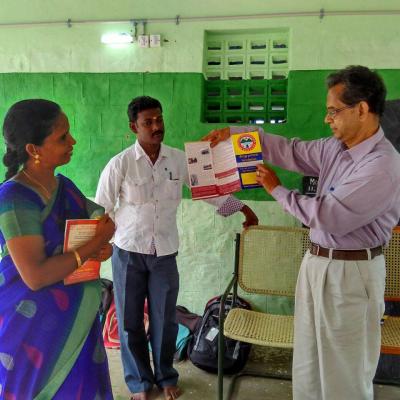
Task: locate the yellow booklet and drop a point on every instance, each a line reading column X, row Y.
column 247, row 149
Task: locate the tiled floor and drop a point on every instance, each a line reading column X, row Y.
column 199, row 385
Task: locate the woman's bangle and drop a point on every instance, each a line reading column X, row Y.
column 78, row 259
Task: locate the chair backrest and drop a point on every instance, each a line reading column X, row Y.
column 392, row 258
column 270, row 258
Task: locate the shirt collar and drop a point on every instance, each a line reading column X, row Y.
column 360, row 150
column 139, row 152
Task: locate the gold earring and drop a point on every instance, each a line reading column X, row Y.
column 36, row 157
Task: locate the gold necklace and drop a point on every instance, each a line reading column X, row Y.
column 46, row 192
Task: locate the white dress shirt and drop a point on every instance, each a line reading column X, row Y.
column 143, row 198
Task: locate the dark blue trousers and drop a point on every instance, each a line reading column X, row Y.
column 137, row 276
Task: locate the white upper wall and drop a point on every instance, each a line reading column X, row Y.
column 51, row 10
column 330, row 42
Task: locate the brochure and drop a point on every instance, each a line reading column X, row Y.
column 77, row 233
column 226, row 168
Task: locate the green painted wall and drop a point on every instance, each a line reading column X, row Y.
column 96, row 106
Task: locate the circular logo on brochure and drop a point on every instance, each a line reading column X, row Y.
column 246, row 142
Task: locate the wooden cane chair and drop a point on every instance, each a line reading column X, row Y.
column 391, row 325
column 267, row 262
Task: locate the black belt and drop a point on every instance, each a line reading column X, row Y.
column 349, row 255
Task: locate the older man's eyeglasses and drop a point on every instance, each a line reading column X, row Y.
column 332, row 112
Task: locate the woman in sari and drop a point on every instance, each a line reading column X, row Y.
column 50, row 337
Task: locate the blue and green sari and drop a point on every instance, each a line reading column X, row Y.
column 51, row 345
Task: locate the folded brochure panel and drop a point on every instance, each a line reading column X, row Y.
column 226, row 168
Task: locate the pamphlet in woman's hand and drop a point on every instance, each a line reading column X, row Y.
column 77, row 233
column 226, row 168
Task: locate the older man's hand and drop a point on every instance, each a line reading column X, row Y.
column 267, row 177
column 217, row 135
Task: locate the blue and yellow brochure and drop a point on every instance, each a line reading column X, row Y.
column 228, row 167
column 247, row 149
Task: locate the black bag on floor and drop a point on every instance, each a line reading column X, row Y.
column 203, row 347
column 188, row 323
column 187, row 318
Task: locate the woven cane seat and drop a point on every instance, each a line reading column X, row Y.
column 392, row 258
column 391, row 336
column 259, row 328
column 390, row 342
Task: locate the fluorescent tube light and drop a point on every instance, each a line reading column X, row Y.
column 116, row 38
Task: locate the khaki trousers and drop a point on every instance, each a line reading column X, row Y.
column 337, row 334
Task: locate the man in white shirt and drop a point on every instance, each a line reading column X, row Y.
column 141, row 189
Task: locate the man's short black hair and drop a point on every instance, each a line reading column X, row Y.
column 360, row 84
column 141, row 103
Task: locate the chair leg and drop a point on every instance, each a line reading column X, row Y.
column 221, row 338
column 220, row 383
column 254, row 375
column 220, row 394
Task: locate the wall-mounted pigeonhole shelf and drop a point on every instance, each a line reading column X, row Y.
column 246, row 76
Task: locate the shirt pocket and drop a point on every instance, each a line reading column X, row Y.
column 172, row 189
column 138, row 190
